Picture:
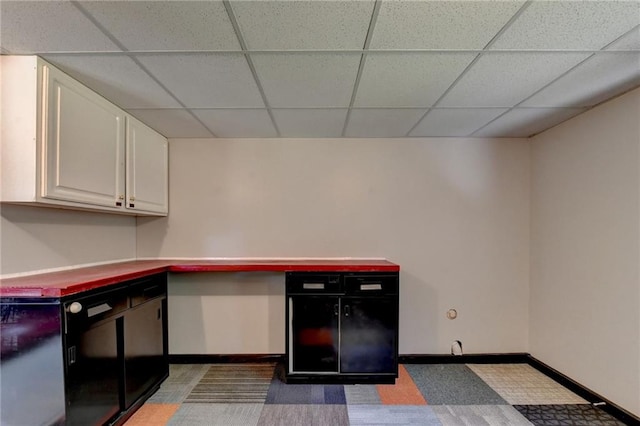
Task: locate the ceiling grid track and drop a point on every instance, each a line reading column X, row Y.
column 554, row 59
column 329, row 51
column 478, row 56
column 367, row 42
column 131, row 56
column 243, row 46
column 588, row 58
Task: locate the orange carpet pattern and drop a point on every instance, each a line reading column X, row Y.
column 404, row 392
column 153, row 415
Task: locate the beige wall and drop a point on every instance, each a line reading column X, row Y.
column 462, row 218
column 37, row 238
column 585, row 228
column 454, row 213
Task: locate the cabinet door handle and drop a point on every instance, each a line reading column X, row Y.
column 99, row 309
column 347, row 310
column 366, row 287
column 313, row 286
column 336, row 310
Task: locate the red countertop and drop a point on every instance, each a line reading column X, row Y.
column 72, row 281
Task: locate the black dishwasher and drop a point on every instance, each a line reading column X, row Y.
column 93, row 356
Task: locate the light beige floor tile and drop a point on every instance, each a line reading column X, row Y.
column 522, row 384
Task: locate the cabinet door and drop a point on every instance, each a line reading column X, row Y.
column 368, row 335
column 93, row 374
column 144, row 357
column 147, row 168
column 313, row 338
column 83, row 144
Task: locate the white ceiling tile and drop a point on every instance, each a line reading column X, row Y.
column 238, row 123
column 206, row 80
column 408, row 79
column 310, row 123
column 570, row 25
column 630, row 41
column 322, row 82
column 440, row 24
column 166, row 25
column 455, row 122
column 303, row 24
column 505, row 79
column 172, row 123
column 307, row 80
column 382, row 123
column 117, row 78
column 49, row 26
column 593, row 81
column 525, row 122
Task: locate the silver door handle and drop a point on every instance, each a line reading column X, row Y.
column 313, row 286
column 99, row 309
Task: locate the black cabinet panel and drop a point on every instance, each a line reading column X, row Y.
column 145, row 360
column 314, row 333
column 368, row 335
column 345, row 330
column 93, row 375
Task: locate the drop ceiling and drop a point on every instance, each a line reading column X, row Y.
column 338, row 68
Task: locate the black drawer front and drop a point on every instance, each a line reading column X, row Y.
column 373, row 284
column 313, row 283
column 147, row 290
column 82, row 312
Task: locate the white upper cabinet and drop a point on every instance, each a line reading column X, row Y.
column 83, row 143
column 147, row 169
column 65, row 146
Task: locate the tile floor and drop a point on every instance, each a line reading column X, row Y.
column 424, row 394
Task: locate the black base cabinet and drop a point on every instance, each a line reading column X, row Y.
column 342, row 327
column 88, row 359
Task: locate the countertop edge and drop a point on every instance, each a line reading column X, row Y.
column 78, row 280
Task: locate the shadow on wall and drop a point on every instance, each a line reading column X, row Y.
column 154, row 240
column 35, row 238
column 226, row 313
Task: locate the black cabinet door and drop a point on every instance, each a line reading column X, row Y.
column 368, row 335
column 93, row 374
column 313, row 332
column 145, row 363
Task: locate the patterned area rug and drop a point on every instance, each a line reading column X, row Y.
column 233, row 383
